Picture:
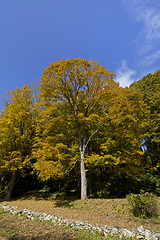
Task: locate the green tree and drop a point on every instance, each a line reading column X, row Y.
column 150, row 87
column 17, row 129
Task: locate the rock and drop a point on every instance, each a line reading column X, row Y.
column 114, row 231
column 140, row 236
column 140, row 233
column 140, row 229
column 153, row 238
column 157, row 235
column 147, row 234
column 127, row 233
column 105, row 230
column 36, row 215
column 5, row 204
column 6, row 208
column 98, row 229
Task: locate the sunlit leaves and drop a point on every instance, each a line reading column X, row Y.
column 149, row 86
column 17, row 129
column 79, row 98
column 126, row 130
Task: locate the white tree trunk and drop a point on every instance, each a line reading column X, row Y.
column 83, row 178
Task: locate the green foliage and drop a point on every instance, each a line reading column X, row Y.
column 143, row 205
column 150, row 183
column 149, row 85
column 119, row 185
column 2, row 194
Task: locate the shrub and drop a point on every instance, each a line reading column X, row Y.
column 143, row 205
column 151, row 183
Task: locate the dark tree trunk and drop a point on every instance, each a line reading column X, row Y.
column 10, row 186
column 90, row 181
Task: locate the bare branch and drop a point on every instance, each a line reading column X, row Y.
column 70, row 169
column 94, row 134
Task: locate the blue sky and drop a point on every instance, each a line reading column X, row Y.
column 122, row 35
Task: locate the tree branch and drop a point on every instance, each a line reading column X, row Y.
column 93, row 134
column 68, row 170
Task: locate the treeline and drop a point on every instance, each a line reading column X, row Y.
column 79, row 132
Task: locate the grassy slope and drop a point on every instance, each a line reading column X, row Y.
column 14, row 227
column 111, row 212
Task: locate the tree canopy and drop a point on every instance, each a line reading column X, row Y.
column 149, row 86
column 79, row 99
column 16, row 132
column 80, row 128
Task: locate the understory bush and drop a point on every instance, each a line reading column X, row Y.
column 151, row 183
column 143, row 205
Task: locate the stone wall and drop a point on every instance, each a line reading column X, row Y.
column 138, row 233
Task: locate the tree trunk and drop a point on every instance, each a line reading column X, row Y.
column 83, row 179
column 10, row 186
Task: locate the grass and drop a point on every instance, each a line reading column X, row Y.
column 110, row 212
column 19, row 227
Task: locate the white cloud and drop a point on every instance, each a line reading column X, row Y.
column 150, row 59
column 148, row 13
column 147, row 45
column 125, row 75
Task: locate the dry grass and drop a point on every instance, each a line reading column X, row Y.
column 111, row 212
column 13, row 227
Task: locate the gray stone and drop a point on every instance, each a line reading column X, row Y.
column 98, row 229
column 157, row 235
column 140, row 229
column 105, row 230
column 114, row 231
column 140, row 236
column 147, row 234
column 153, row 238
column 127, row 233
column 6, row 209
column 94, row 228
column 14, row 212
column 36, row 215
column 105, row 234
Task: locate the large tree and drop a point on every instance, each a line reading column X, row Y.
column 16, row 134
column 82, row 92
column 80, row 102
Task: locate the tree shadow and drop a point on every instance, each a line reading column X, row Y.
column 60, row 199
column 64, row 203
column 48, row 236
